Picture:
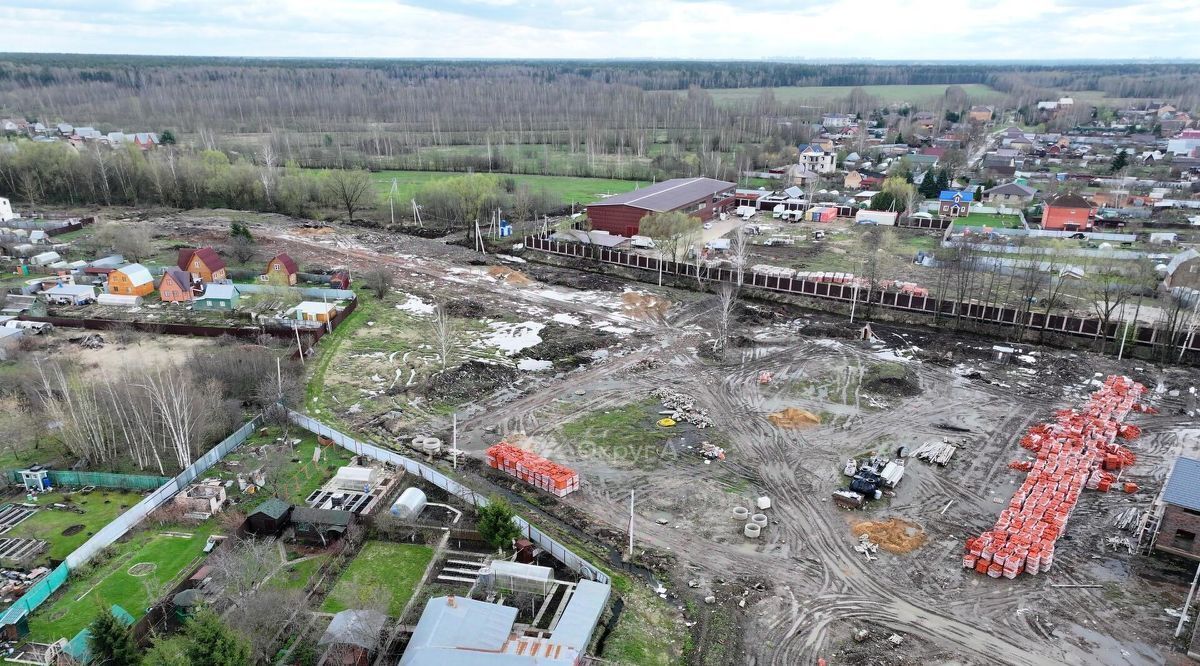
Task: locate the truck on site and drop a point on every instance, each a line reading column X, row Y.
column 642, row 242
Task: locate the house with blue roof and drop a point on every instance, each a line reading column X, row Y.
column 816, row 159
column 952, row 203
column 1180, row 505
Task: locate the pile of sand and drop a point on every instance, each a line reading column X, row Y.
column 794, row 417
column 895, row 535
column 506, row 274
column 313, row 231
column 645, row 306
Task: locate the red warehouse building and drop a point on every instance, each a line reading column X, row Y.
column 1069, row 212
column 703, row 198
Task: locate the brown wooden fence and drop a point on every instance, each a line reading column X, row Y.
column 978, row 312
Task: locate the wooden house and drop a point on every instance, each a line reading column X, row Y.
column 270, row 518
column 203, row 263
column 131, row 280
column 176, row 286
column 218, row 297
column 319, row 527
column 281, row 270
column 340, row 279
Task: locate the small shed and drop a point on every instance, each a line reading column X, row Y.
column 319, row 527
column 340, row 280
column 355, row 633
column 313, row 311
column 269, row 518
column 218, row 297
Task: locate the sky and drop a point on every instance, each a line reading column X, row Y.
column 667, row 29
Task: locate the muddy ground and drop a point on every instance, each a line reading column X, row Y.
column 801, row 592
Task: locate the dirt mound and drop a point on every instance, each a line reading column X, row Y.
column 506, row 274
column 471, row 380
column 467, row 309
column 643, row 305
column 892, row 379
column 574, row 279
column 568, row 345
column 74, row 529
column 313, row 231
column 895, row 535
column 794, row 417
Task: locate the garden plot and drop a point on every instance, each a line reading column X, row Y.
column 139, row 571
column 286, row 467
column 381, row 571
column 66, row 519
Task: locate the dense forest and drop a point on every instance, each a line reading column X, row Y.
column 625, row 119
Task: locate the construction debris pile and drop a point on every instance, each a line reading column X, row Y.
column 935, row 451
column 681, row 409
column 533, row 469
column 868, row 480
column 1077, row 451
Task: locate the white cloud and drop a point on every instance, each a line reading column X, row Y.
column 704, row 29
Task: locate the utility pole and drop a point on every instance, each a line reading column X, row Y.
column 299, row 347
column 631, row 534
column 1187, row 604
column 454, row 440
column 392, row 200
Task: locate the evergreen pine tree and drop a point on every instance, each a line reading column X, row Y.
column 211, row 643
column 110, row 642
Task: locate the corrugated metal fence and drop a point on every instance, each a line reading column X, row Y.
column 71, row 479
column 557, row 550
column 121, row 525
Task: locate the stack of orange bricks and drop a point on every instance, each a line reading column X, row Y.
column 1077, row 451
column 533, row 469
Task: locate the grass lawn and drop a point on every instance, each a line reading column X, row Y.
column 989, row 220
column 296, row 576
column 294, row 481
column 100, row 507
column 628, row 432
column 914, row 94
column 568, row 188
column 393, row 568
column 76, row 604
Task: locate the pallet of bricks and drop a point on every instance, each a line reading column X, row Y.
column 1078, row 450
column 533, row 469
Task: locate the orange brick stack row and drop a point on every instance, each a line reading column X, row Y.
column 533, row 469
column 1078, row 450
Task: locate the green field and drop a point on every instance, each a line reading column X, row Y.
column 568, row 188
column 989, row 220
column 100, row 507
column 628, row 433
column 293, row 481
column 915, row 95
column 75, row 605
column 392, row 568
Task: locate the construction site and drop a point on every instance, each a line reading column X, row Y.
column 763, row 483
column 856, row 492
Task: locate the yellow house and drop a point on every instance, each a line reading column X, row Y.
column 131, row 280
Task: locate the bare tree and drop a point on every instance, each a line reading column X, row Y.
column 727, row 295
column 239, row 568
column 349, row 189
column 739, row 249
column 264, row 617
column 379, row 280
column 442, row 330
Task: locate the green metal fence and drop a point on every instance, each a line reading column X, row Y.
column 67, row 479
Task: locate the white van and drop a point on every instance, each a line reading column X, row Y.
column 643, row 242
column 34, row 327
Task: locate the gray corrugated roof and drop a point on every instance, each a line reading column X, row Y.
column 1183, row 487
column 354, row 627
column 303, row 514
column 669, row 194
column 449, row 624
column 574, row 628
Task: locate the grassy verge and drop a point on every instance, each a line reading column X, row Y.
column 329, row 344
column 567, row 188
column 386, row 568
column 112, row 583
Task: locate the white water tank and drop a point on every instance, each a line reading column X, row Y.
column 409, row 505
